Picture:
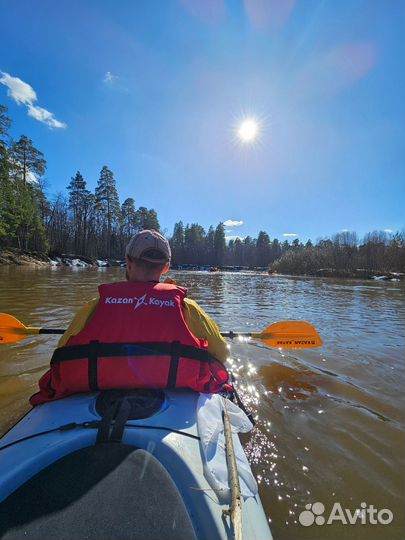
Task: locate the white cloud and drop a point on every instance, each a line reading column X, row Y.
column 290, row 234
column 42, row 115
column 23, row 94
column 18, row 90
column 232, row 223
column 109, row 78
column 388, row 231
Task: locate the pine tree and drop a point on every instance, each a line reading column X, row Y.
column 147, row 219
column 79, row 199
column 108, row 209
column 219, row 244
column 26, row 160
column 25, row 213
column 177, row 243
column 275, row 250
column 128, row 218
column 194, row 243
column 128, row 222
column 210, row 243
column 285, row 246
column 296, row 244
column 6, row 189
column 152, row 221
column 141, row 218
column 263, row 248
column 249, row 251
column 238, row 250
column 5, row 123
column 26, row 166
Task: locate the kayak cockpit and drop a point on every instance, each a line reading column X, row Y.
column 103, row 491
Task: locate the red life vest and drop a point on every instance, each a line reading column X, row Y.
column 136, row 338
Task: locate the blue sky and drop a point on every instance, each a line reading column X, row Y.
column 157, row 90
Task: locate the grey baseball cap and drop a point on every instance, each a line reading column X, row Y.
column 149, row 245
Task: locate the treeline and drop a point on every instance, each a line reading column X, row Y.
column 191, row 244
column 97, row 225
column 344, row 253
column 79, row 222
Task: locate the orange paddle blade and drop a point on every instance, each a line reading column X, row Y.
column 290, row 335
column 13, row 330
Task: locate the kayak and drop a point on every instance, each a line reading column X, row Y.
column 116, row 465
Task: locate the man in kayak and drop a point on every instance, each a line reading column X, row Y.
column 138, row 334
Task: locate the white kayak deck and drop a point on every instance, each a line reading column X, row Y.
column 170, row 435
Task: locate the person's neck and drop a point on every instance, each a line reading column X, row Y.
column 143, row 278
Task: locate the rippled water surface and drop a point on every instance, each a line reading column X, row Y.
column 330, row 421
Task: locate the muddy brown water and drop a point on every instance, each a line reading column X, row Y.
column 330, row 421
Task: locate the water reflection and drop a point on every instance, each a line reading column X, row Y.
column 286, row 381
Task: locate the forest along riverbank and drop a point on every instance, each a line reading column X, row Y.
column 18, row 257
column 330, row 422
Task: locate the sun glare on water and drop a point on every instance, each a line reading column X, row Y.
column 248, row 130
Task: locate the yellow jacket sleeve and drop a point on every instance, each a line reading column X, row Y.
column 79, row 321
column 203, row 327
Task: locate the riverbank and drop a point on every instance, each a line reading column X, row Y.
column 14, row 256
column 349, row 274
column 23, row 258
column 30, row 258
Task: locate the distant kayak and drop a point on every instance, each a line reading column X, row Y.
column 118, row 465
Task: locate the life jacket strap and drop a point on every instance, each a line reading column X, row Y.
column 121, row 418
column 93, row 365
column 174, row 364
column 97, row 349
column 103, row 432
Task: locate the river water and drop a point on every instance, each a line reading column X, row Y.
column 330, row 421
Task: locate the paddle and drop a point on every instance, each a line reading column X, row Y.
column 13, row 330
column 284, row 334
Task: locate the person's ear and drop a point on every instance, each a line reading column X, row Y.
column 166, row 268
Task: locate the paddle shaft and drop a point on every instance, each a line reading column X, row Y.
column 230, row 335
column 262, row 335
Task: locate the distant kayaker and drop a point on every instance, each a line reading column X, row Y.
column 139, row 333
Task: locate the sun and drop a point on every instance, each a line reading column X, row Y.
column 248, row 130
